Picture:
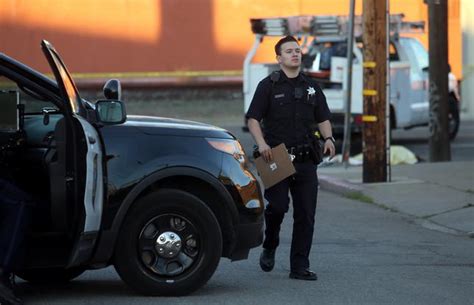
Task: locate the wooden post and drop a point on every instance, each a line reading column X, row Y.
column 375, row 69
column 440, row 149
column 346, row 143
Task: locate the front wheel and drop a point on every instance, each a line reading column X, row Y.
column 170, row 244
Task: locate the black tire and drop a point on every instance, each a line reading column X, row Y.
column 453, row 117
column 153, row 218
column 50, row 275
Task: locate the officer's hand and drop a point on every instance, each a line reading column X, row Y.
column 266, row 152
column 329, row 148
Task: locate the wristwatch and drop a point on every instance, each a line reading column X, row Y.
column 331, row 139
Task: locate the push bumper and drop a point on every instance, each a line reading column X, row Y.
column 249, row 235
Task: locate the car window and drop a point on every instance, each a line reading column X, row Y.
column 35, row 106
column 33, row 103
column 320, row 54
column 35, row 124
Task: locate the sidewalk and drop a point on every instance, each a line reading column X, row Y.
column 439, row 196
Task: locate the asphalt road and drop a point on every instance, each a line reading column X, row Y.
column 363, row 255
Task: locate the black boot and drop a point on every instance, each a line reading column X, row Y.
column 306, row 275
column 267, row 259
column 7, row 297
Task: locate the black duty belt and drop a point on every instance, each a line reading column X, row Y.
column 302, row 153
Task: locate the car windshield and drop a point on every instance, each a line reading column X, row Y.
column 418, row 50
column 320, row 54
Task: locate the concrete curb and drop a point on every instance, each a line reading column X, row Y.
column 339, row 186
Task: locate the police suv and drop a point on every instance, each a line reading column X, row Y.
column 160, row 199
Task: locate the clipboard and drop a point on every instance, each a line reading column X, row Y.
column 280, row 168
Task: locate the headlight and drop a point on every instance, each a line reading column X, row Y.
column 231, row 147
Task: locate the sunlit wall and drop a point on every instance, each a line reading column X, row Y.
column 467, row 87
column 166, row 35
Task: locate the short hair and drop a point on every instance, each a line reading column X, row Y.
column 282, row 41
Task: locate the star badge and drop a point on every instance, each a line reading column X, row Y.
column 311, row 91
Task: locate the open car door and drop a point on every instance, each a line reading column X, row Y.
column 80, row 185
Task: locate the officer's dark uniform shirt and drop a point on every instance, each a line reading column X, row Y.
column 288, row 108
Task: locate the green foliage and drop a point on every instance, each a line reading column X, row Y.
column 359, row 197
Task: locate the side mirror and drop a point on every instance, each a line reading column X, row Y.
column 110, row 112
column 113, row 89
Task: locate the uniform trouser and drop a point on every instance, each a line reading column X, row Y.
column 303, row 186
column 15, row 214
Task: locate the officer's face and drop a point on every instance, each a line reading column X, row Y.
column 290, row 55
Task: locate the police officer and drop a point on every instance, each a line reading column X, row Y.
column 289, row 105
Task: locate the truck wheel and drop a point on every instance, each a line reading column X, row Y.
column 170, row 244
column 50, row 275
column 453, row 117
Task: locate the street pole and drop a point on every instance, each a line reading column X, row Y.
column 440, row 149
column 375, row 71
column 388, row 127
column 346, row 144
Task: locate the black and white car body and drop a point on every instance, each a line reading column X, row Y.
column 160, row 199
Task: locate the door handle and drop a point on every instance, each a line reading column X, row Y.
column 91, row 140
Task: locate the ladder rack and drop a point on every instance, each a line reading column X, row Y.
column 318, row 26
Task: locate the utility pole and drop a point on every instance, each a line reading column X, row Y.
column 346, row 144
column 440, row 149
column 375, row 71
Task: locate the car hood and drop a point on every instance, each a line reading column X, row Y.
column 167, row 126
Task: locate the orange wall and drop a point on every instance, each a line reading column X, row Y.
column 166, row 35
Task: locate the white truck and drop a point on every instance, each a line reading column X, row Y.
column 324, row 43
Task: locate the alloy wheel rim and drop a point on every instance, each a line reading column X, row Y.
column 168, row 245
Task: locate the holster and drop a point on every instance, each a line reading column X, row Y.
column 316, row 148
